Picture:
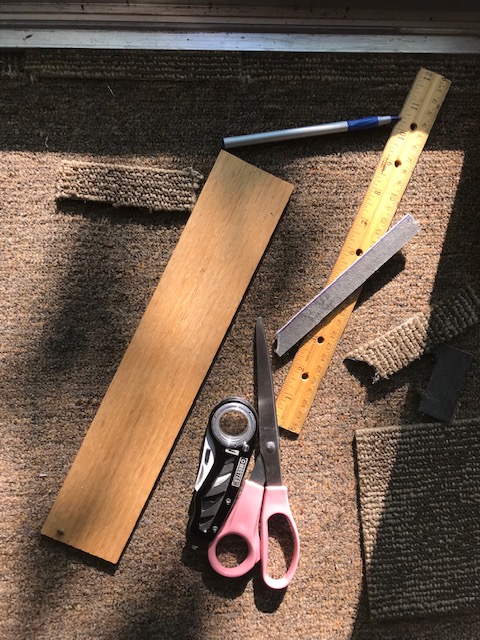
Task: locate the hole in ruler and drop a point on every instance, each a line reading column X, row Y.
column 413, row 126
column 320, row 339
column 305, row 376
column 359, row 252
column 398, row 163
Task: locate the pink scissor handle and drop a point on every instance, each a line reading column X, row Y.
column 243, row 521
column 275, row 502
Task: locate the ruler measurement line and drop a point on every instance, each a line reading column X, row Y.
column 388, row 184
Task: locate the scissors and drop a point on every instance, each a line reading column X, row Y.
column 263, row 494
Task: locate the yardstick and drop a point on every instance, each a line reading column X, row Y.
column 376, row 212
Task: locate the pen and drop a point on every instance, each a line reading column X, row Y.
column 304, row 132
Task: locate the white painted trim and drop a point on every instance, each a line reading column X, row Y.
column 224, row 41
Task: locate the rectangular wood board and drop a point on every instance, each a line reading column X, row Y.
column 168, row 358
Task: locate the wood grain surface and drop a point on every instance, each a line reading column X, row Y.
column 168, row 358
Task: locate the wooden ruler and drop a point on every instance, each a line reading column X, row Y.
column 383, row 196
column 168, row 358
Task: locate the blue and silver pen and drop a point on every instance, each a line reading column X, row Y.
column 304, row 132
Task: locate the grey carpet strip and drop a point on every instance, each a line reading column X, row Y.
column 420, row 512
column 135, row 65
column 129, row 186
column 194, row 66
column 420, row 334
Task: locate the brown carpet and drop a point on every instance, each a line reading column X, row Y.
column 419, row 497
column 153, row 189
column 75, row 278
column 420, row 334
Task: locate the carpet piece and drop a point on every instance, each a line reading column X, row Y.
column 75, row 280
column 129, row 186
column 419, row 334
column 139, row 65
column 420, row 513
column 243, row 66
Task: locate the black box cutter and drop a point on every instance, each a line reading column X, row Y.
column 223, row 462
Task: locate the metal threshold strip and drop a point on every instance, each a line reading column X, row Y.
column 61, row 37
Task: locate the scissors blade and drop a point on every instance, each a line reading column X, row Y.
column 258, row 472
column 267, row 415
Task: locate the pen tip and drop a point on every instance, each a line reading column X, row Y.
column 396, row 118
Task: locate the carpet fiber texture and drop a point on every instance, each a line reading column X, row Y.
column 129, row 186
column 75, row 279
column 420, row 334
column 420, row 512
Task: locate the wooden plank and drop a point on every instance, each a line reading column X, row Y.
column 168, row 358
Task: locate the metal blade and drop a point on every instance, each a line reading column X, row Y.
column 267, row 414
column 345, row 284
column 258, row 472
